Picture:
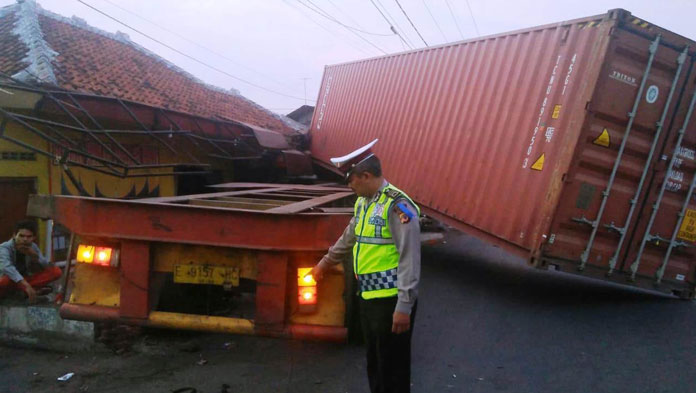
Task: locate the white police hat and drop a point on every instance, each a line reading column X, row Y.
column 346, row 163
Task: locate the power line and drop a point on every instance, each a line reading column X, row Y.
column 328, row 16
column 347, row 28
column 195, row 43
column 345, row 13
column 325, row 29
column 473, row 19
column 435, row 21
column 395, row 24
column 455, row 19
column 391, row 26
column 189, row 56
column 411, row 22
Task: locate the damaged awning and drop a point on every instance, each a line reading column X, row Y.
column 74, row 125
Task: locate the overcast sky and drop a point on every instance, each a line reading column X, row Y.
column 283, row 45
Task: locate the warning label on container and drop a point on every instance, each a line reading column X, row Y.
column 603, row 139
column 556, row 112
column 539, row 163
column 539, row 126
column 687, row 230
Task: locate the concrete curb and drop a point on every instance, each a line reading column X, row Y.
column 42, row 327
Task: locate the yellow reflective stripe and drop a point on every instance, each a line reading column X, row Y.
column 374, row 240
column 380, row 293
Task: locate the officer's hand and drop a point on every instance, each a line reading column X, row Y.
column 401, row 322
column 317, row 272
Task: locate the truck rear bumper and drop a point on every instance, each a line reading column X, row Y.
column 169, row 320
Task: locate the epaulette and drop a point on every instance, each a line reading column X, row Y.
column 394, row 194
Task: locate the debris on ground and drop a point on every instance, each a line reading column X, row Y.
column 66, row 377
column 118, row 338
column 229, row 345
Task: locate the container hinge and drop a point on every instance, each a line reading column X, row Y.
column 584, row 220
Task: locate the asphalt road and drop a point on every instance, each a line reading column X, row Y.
column 485, row 324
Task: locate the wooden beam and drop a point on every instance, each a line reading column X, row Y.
column 283, row 195
column 293, row 186
column 230, row 205
column 183, row 198
column 308, row 204
column 272, row 202
column 336, row 209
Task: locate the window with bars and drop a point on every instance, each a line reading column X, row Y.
column 17, row 156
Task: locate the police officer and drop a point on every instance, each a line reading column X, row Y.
column 384, row 238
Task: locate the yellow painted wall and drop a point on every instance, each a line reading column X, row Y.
column 49, row 175
column 35, row 169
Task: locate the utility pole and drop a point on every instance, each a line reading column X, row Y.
column 304, row 81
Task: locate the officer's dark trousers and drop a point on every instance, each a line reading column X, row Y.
column 388, row 354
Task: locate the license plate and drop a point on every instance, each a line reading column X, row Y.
column 202, row 274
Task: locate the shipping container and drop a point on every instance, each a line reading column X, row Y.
column 571, row 144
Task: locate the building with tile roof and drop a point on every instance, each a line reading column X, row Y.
column 40, row 46
column 85, row 112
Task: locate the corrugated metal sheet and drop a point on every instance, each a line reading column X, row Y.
column 504, row 137
column 461, row 125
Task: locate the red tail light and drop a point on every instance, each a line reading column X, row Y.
column 97, row 255
column 307, row 295
column 102, row 256
column 306, row 290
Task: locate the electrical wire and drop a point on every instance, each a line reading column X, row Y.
column 391, row 26
column 411, row 22
column 194, row 43
column 396, row 25
column 356, row 34
column 473, row 19
column 189, row 56
column 328, row 16
column 455, row 19
column 345, row 13
column 435, row 21
column 325, row 29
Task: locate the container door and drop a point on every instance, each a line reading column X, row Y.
column 628, row 120
column 663, row 245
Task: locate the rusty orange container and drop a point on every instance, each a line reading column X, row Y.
column 553, row 142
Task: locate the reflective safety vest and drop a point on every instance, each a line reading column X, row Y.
column 375, row 257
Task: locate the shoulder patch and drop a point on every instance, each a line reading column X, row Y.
column 405, row 214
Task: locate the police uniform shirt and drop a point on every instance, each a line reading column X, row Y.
column 407, row 240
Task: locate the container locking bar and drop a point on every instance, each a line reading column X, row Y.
column 680, row 217
column 660, row 124
column 656, row 206
column 631, row 117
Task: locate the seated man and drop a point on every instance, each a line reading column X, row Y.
column 21, row 264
